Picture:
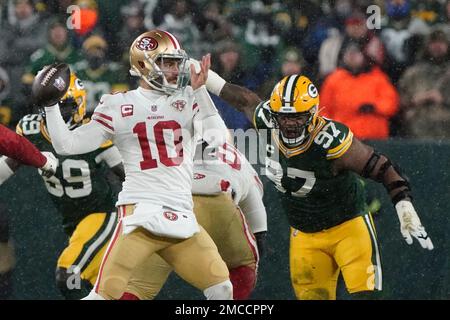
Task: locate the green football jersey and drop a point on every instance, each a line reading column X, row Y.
column 314, row 197
column 79, row 186
column 109, row 78
column 46, row 56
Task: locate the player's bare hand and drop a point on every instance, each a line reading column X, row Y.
column 199, row 79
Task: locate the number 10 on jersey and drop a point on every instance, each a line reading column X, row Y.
column 149, row 162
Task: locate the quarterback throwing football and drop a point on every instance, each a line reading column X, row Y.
column 154, row 128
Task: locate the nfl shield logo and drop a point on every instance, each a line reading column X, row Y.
column 154, row 108
column 179, row 105
column 59, row 84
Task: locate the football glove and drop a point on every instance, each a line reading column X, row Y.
column 410, row 225
column 49, row 168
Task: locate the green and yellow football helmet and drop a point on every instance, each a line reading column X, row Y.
column 293, row 106
column 73, row 103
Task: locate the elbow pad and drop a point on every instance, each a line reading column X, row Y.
column 370, row 171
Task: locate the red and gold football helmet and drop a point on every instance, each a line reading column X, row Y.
column 147, row 54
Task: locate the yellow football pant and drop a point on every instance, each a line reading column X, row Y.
column 317, row 258
column 87, row 245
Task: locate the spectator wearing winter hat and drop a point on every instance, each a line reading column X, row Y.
column 57, row 49
column 85, row 21
column 355, row 31
column 19, row 39
column 99, row 74
column 425, row 97
column 402, row 37
column 133, row 17
column 227, row 60
column 359, row 95
column 292, row 62
column 429, row 11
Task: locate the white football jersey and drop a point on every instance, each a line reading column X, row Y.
column 154, row 134
column 224, row 169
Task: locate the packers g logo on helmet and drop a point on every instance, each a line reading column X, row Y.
column 296, row 96
column 73, row 103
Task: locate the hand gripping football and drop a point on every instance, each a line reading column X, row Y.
column 50, row 84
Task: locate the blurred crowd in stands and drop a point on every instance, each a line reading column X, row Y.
column 389, row 77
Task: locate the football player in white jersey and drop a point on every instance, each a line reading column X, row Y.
column 153, row 127
column 228, row 204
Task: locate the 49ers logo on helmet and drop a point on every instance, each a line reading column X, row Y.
column 147, row 44
column 172, row 216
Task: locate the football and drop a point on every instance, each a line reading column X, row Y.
column 50, row 84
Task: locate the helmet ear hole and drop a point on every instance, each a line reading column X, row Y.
column 141, row 64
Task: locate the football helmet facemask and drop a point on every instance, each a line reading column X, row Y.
column 293, row 108
column 151, row 52
column 73, row 103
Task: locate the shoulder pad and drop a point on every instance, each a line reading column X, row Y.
column 29, row 125
column 261, row 117
column 335, row 137
column 110, row 99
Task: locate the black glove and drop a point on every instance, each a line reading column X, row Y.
column 366, row 108
column 261, row 242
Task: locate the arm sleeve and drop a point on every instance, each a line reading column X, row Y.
column 254, row 210
column 83, row 139
column 207, row 120
column 19, row 148
column 214, row 82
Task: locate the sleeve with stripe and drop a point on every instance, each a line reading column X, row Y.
column 103, row 113
column 84, row 139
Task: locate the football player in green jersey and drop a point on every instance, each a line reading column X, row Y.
column 80, row 191
column 314, row 163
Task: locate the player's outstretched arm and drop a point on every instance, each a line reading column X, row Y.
column 49, row 86
column 86, row 138
column 368, row 163
column 241, row 98
column 207, row 120
column 22, row 151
